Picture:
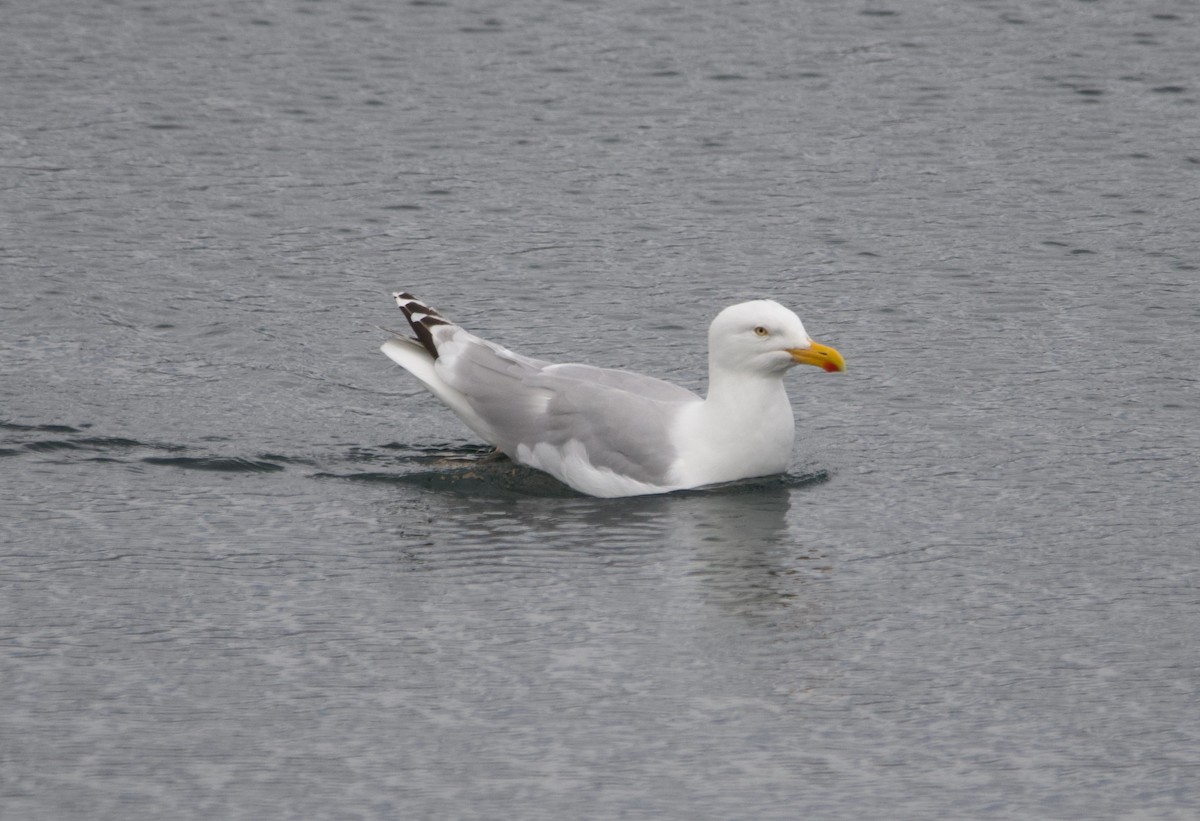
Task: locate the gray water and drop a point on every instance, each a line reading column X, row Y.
column 251, row 571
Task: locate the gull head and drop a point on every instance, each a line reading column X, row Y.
column 763, row 336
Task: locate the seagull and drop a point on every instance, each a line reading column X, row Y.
column 612, row 433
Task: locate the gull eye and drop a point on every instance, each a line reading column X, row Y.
column 761, row 331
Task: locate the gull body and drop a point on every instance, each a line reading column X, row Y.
column 608, row 432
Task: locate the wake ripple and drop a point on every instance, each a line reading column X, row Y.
column 462, row 470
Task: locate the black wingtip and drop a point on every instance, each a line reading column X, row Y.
column 422, row 318
column 412, row 305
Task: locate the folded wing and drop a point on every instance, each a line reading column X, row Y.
column 563, row 417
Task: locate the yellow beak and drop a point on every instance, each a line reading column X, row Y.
column 822, row 356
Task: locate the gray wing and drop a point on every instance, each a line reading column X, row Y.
column 621, row 419
column 625, row 380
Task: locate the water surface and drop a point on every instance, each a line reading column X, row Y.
column 250, row 570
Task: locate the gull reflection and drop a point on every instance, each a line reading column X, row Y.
column 733, row 546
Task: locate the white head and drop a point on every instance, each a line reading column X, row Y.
column 764, row 337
